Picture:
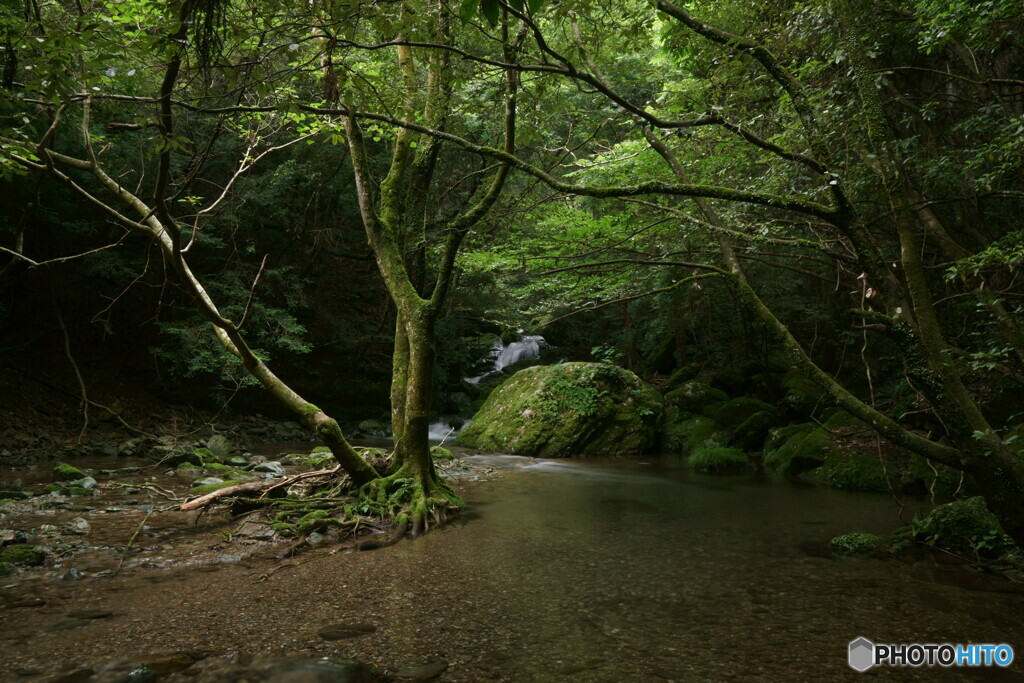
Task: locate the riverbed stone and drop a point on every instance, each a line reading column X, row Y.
column 8, row 568
column 565, row 410
column 77, row 526
column 66, row 472
column 219, row 445
column 346, row 630
column 423, row 672
column 271, row 467
column 23, row 553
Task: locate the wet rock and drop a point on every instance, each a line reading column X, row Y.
column 346, row 631
column 83, row 483
column 7, row 569
column 73, row 676
column 272, row 467
column 423, row 672
column 207, row 481
column 65, row 472
column 77, row 527
column 91, row 614
column 263, row 534
column 72, row 575
column 314, row 538
column 68, row 625
column 27, row 602
column 219, row 445
column 14, row 495
column 309, row 670
column 120, row 471
column 179, row 459
column 227, row 559
column 9, row 536
column 236, row 461
column 23, row 553
column 143, row 668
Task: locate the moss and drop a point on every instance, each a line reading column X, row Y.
column 693, row 397
column 854, row 472
column 283, row 528
column 856, row 544
column 718, row 459
column 802, row 396
column 7, row 568
column 566, row 410
column 321, row 449
column 700, row 432
column 440, row 453
column 205, row 455
column 187, row 465
column 673, row 430
column 961, row 526
column 790, row 457
column 22, row 553
column 936, row 478
column 216, row 467
column 731, row 414
column 77, row 491
column 681, row 376
column 317, row 520
column 210, row 488
column 750, row 435
column 65, row 472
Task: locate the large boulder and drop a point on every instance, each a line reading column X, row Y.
column 566, row 410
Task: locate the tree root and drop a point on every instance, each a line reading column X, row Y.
column 265, row 486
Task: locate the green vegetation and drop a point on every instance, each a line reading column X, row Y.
column 856, row 544
column 718, row 459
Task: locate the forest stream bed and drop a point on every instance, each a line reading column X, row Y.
column 597, row 570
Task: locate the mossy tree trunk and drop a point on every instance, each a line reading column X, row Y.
column 396, row 222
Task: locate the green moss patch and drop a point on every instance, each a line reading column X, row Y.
column 65, row 472
column 203, row 489
column 22, row 553
column 856, row 544
column 963, row 526
column 718, row 459
column 694, row 397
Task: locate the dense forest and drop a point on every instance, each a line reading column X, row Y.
column 773, row 240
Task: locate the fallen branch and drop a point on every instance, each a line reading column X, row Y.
column 205, row 500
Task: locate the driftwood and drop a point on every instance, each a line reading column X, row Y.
column 205, row 500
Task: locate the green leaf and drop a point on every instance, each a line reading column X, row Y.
column 534, row 5
column 490, row 10
column 517, row 5
column 468, row 9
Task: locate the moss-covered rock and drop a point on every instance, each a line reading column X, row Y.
column 681, row 377
column 65, row 472
column 700, row 432
column 216, row 467
column 802, row 396
column 571, row 409
column 219, row 445
column 694, row 397
column 808, row 447
column 7, row 568
column 23, row 553
column 856, row 544
column 853, row 471
column 750, row 435
column 718, row 459
column 441, row 453
column 789, row 456
column 964, row 526
column 179, row 460
column 732, row 413
column 206, row 455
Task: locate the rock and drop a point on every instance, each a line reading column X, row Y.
column 76, row 527
column 856, row 544
column 91, row 614
column 571, row 409
column 65, row 472
column 74, row 676
column 227, row 559
column 120, row 471
column 179, row 459
column 68, row 625
column 14, row 495
column 219, row 445
column 750, row 435
column 207, row 481
column 236, row 461
column 374, row 428
column 733, row 413
column 9, row 536
column 27, row 602
column 72, row 575
column 7, row 568
column 272, row 467
column 87, row 483
column 694, row 397
column 346, row 631
column 23, row 553
column 423, row 672
column 963, row 526
column 137, row 669
column 310, row 670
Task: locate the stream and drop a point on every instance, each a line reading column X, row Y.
column 597, row 570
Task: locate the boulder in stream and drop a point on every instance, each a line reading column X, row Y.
column 566, row 410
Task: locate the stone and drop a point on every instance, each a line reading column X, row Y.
column 566, row 410
column 91, row 614
column 65, row 472
column 72, row 575
column 9, row 536
column 27, row 602
column 14, row 495
column 694, row 397
column 346, row 631
column 179, row 459
column 23, row 553
column 8, row 569
column 310, row 670
column 272, row 467
column 236, row 461
column 219, row 445
column 77, row 526
column 207, row 481
column 423, row 672
column 227, row 559
column 373, row 428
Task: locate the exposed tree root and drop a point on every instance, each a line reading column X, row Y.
column 265, row 486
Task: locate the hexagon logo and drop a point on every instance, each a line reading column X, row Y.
column 862, row 654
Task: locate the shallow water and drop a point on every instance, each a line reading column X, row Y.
column 566, row 571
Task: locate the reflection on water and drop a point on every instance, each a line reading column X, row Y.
column 612, row 571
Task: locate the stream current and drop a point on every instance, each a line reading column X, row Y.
column 563, row 571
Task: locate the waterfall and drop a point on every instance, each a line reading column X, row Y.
column 528, row 347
